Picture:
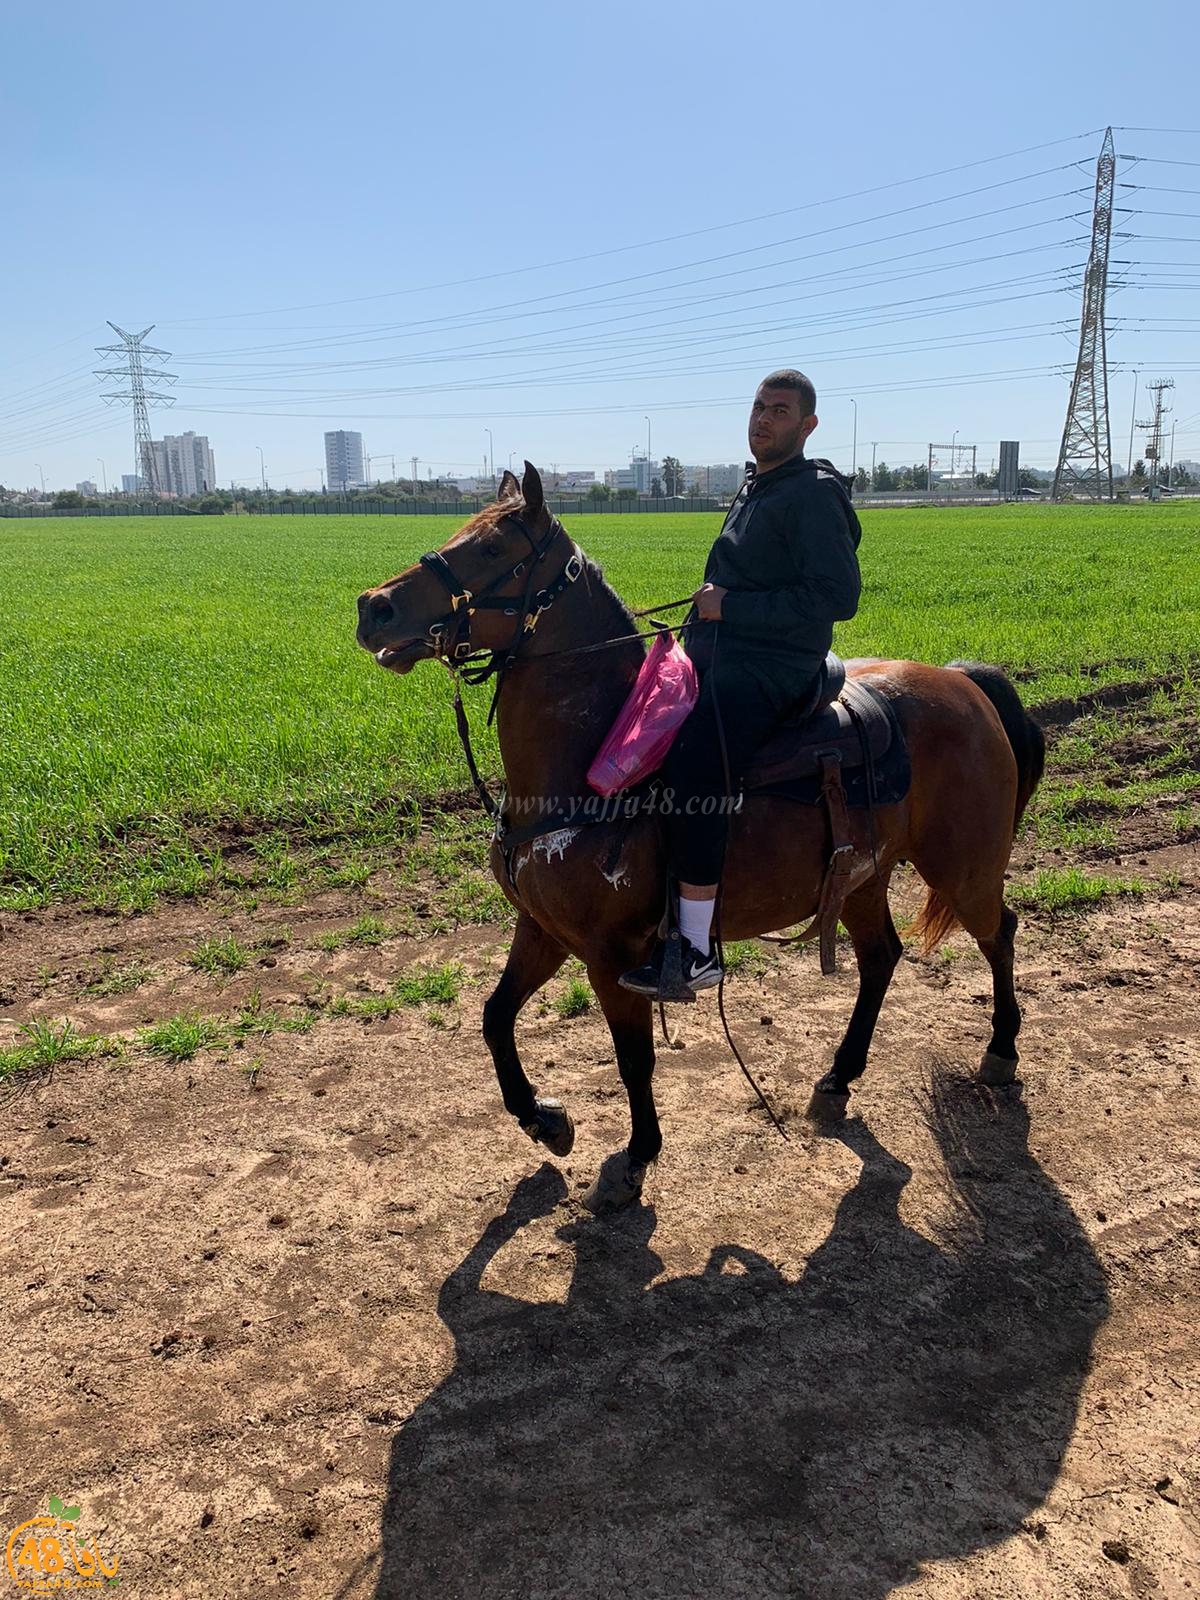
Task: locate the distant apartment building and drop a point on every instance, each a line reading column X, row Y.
column 131, row 483
column 567, row 482
column 184, row 463
column 722, row 479
column 639, row 474
column 86, row 487
column 344, row 461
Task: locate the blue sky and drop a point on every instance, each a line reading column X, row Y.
column 428, row 222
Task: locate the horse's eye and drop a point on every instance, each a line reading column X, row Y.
column 493, row 550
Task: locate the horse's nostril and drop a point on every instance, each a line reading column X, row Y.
column 374, row 609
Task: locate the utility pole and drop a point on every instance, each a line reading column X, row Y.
column 138, row 396
column 104, row 474
column 1154, row 447
column 1132, row 425
column 414, row 476
column 1085, row 455
column 854, row 446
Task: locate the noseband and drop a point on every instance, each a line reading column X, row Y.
column 450, row 636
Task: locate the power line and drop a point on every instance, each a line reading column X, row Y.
column 647, row 244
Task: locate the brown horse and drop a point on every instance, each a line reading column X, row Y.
column 595, row 889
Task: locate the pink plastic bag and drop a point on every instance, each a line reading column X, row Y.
column 666, row 690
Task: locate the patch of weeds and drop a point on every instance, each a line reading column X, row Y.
column 442, row 984
column 746, row 958
column 575, row 999
column 1067, row 889
column 1186, row 820
column 179, row 1038
column 353, row 874
column 251, row 1070
column 112, row 979
column 366, row 931
column 278, row 867
column 435, row 1019
column 219, row 956
column 44, row 1045
column 254, row 1022
column 475, row 899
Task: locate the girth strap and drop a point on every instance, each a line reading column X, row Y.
column 835, row 885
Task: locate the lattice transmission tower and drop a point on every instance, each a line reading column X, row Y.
column 138, row 396
column 1085, row 455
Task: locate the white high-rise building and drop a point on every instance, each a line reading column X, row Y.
column 344, row 461
column 185, row 464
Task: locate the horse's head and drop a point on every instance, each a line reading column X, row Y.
column 478, row 591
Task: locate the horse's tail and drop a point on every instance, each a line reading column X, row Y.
column 936, row 918
column 1024, row 735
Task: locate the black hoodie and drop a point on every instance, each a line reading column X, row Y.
column 787, row 556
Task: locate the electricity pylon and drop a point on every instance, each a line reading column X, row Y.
column 144, row 464
column 1085, row 455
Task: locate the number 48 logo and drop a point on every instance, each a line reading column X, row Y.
column 48, row 1551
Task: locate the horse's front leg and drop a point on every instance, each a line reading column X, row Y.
column 533, row 958
column 631, row 1022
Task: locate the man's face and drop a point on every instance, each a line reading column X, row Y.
column 778, row 426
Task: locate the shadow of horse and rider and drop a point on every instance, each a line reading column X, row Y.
column 738, row 1433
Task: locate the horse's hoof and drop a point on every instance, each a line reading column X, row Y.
column 995, row 1070
column 618, row 1185
column 829, row 1101
column 552, row 1126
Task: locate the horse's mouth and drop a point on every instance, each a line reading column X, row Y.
column 403, row 656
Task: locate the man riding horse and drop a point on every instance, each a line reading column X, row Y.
column 783, row 570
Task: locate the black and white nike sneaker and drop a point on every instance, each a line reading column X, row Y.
column 699, row 971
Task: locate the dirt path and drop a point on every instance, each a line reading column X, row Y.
column 327, row 1326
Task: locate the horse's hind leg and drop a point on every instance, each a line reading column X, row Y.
column 631, row 1023
column 999, row 1064
column 533, row 958
column 993, row 927
column 868, row 920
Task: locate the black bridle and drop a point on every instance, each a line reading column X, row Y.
column 449, row 637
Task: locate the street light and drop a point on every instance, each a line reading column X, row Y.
column 953, row 458
column 647, row 444
column 262, row 462
column 874, row 447
column 103, row 476
column 491, row 455
column 854, row 446
column 42, row 475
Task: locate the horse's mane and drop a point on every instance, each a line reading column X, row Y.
column 598, row 584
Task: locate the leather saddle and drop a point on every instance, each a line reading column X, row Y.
column 841, row 715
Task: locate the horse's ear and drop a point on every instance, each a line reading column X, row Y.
column 531, row 490
column 509, row 488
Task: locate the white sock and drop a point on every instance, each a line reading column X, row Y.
column 695, row 920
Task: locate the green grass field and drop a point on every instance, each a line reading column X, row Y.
column 163, row 678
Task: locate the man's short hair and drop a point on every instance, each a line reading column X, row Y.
column 789, row 378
